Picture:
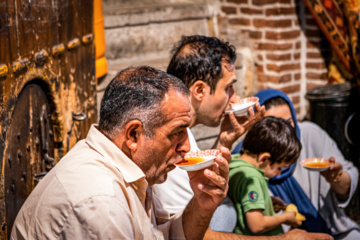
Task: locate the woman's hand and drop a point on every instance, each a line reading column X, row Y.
column 340, row 180
column 334, row 173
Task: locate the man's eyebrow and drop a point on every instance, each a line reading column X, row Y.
column 180, row 127
column 233, row 81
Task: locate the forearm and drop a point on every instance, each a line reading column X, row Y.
column 342, row 187
column 214, row 235
column 222, row 143
column 259, row 223
column 270, row 222
column 195, row 221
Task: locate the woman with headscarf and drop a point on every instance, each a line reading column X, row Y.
column 319, row 196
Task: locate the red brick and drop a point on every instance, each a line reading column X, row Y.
column 297, row 76
column 313, row 65
column 263, row 2
column 261, row 77
column 237, row 1
column 292, row 66
column 239, row 21
column 278, row 57
column 297, row 56
column 316, row 76
column 312, row 45
column 318, row 44
column 282, row 35
column 273, row 67
column 310, row 86
column 251, row 11
column 260, row 57
column 259, row 68
column 261, row 86
column 283, row 67
column 285, row 1
column 259, row 22
column 229, row 10
column 298, row 45
column 291, row 89
column 222, row 19
column 313, row 55
column 272, row 46
column 280, row 11
column 274, row 79
column 285, row 78
column 295, row 99
column 255, row 34
column 283, row 23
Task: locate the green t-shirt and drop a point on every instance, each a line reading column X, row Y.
column 249, row 190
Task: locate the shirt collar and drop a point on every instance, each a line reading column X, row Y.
column 97, row 140
column 236, row 162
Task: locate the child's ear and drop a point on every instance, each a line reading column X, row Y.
column 264, row 159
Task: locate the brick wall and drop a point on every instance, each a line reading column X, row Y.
column 291, row 51
column 278, row 43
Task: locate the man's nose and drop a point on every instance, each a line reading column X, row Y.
column 184, row 144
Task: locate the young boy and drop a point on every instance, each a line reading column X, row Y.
column 269, row 146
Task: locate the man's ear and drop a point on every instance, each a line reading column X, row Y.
column 134, row 130
column 264, row 159
column 198, row 90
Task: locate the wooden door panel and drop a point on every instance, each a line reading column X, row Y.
column 29, row 146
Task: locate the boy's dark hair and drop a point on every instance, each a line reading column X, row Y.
column 273, row 102
column 275, row 136
column 200, row 58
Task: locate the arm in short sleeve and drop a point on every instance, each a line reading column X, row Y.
column 249, row 192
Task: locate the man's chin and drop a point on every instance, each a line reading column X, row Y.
column 214, row 123
column 161, row 179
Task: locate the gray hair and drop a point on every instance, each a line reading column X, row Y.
column 136, row 93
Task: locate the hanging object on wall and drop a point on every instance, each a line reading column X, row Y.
column 339, row 21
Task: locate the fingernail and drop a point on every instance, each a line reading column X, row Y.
column 208, row 172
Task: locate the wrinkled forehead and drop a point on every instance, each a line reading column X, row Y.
column 175, row 104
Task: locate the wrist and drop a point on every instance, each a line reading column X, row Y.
column 225, row 141
column 201, row 211
column 338, row 180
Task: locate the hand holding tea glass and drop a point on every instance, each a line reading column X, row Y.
column 239, row 118
column 210, row 185
column 339, row 179
column 333, row 174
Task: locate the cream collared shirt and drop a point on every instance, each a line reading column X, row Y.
column 95, row 192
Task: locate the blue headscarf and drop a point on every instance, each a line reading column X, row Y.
column 285, row 185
